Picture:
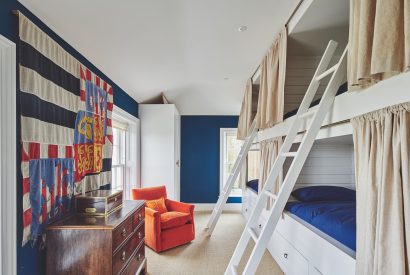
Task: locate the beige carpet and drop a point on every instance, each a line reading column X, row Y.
column 207, row 255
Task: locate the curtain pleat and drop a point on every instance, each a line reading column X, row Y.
column 379, row 40
column 382, row 153
column 269, row 151
column 272, row 84
column 245, row 117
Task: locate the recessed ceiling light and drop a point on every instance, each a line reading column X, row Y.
column 242, row 28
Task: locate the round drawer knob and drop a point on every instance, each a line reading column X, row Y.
column 115, row 199
column 138, row 257
column 139, row 235
column 124, row 232
column 139, row 217
column 285, row 255
column 123, row 256
column 260, row 226
column 246, row 210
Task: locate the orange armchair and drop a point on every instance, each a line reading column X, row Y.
column 169, row 229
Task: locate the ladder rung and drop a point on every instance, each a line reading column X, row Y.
column 270, row 194
column 234, row 270
column 290, row 154
column 326, row 73
column 308, row 114
column 253, row 234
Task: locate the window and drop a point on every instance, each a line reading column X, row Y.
column 230, row 148
column 125, row 152
column 118, row 156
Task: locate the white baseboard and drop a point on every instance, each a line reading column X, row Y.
column 200, row 207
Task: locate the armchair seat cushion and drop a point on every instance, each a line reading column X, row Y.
column 174, row 219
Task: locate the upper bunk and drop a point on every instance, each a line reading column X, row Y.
column 309, row 31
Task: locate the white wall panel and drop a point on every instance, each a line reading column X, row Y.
column 330, row 162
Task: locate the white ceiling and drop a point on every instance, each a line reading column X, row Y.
column 323, row 20
column 182, row 47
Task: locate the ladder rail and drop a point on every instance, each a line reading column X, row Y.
column 231, row 179
column 298, row 161
column 287, row 144
column 295, row 168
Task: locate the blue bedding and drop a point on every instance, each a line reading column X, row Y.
column 253, row 184
column 335, row 218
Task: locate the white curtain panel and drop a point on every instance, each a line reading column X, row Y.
column 245, row 117
column 379, row 40
column 382, row 153
column 272, row 84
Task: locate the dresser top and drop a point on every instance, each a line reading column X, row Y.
column 99, row 222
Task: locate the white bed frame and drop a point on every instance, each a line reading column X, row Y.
column 299, row 248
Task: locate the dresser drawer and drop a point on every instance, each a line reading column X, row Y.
column 122, row 256
column 137, row 259
column 121, row 233
column 138, row 217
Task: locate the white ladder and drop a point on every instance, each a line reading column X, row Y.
column 223, row 197
column 299, row 157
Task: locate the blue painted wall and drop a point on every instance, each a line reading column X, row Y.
column 200, row 157
column 31, row 259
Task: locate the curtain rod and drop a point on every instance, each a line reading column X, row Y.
column 286, row 24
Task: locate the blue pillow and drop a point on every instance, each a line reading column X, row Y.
column 324, row 193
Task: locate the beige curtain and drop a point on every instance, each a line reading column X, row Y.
column 245, row 117
column 382, row 153
column 269, row 151
column 272, row 84
column 379, row 40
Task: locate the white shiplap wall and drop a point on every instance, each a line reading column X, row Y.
column 330, row 162
column 299, row 73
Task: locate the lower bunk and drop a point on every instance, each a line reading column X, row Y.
column 316, row 237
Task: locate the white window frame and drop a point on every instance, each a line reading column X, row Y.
column 132, row 175
column 222, row 140
column 8, row 166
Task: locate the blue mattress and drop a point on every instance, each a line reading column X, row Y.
column 335, row 218
column 253, row 184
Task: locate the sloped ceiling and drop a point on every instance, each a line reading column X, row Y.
column 189, row 49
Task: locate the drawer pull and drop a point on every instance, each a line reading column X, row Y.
column 260, row 226
column 246, row 209
column 139, row 235
column 124, row 232
column 123, row 256
column 139, row 217
column 285, row 255
column 116, row 199
column 138, row 257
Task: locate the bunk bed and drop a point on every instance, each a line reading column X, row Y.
column 300, row 245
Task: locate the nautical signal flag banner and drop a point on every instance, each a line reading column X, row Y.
column 66, row 134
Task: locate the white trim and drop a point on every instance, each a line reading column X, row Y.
column 386, row 93
column 205, row 207
column 8, row 169
column 132, row 140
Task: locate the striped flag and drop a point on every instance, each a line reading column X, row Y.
column 66, row 135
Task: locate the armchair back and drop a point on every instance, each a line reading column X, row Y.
column 149, row 193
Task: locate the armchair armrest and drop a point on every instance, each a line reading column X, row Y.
column 152, row 228
column 180, row 207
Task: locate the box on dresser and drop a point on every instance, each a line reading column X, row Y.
column 97, row 244
column 98, row 202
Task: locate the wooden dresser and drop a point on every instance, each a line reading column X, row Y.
column 98, row 245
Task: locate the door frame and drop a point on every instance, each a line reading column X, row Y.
column 8, row 158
